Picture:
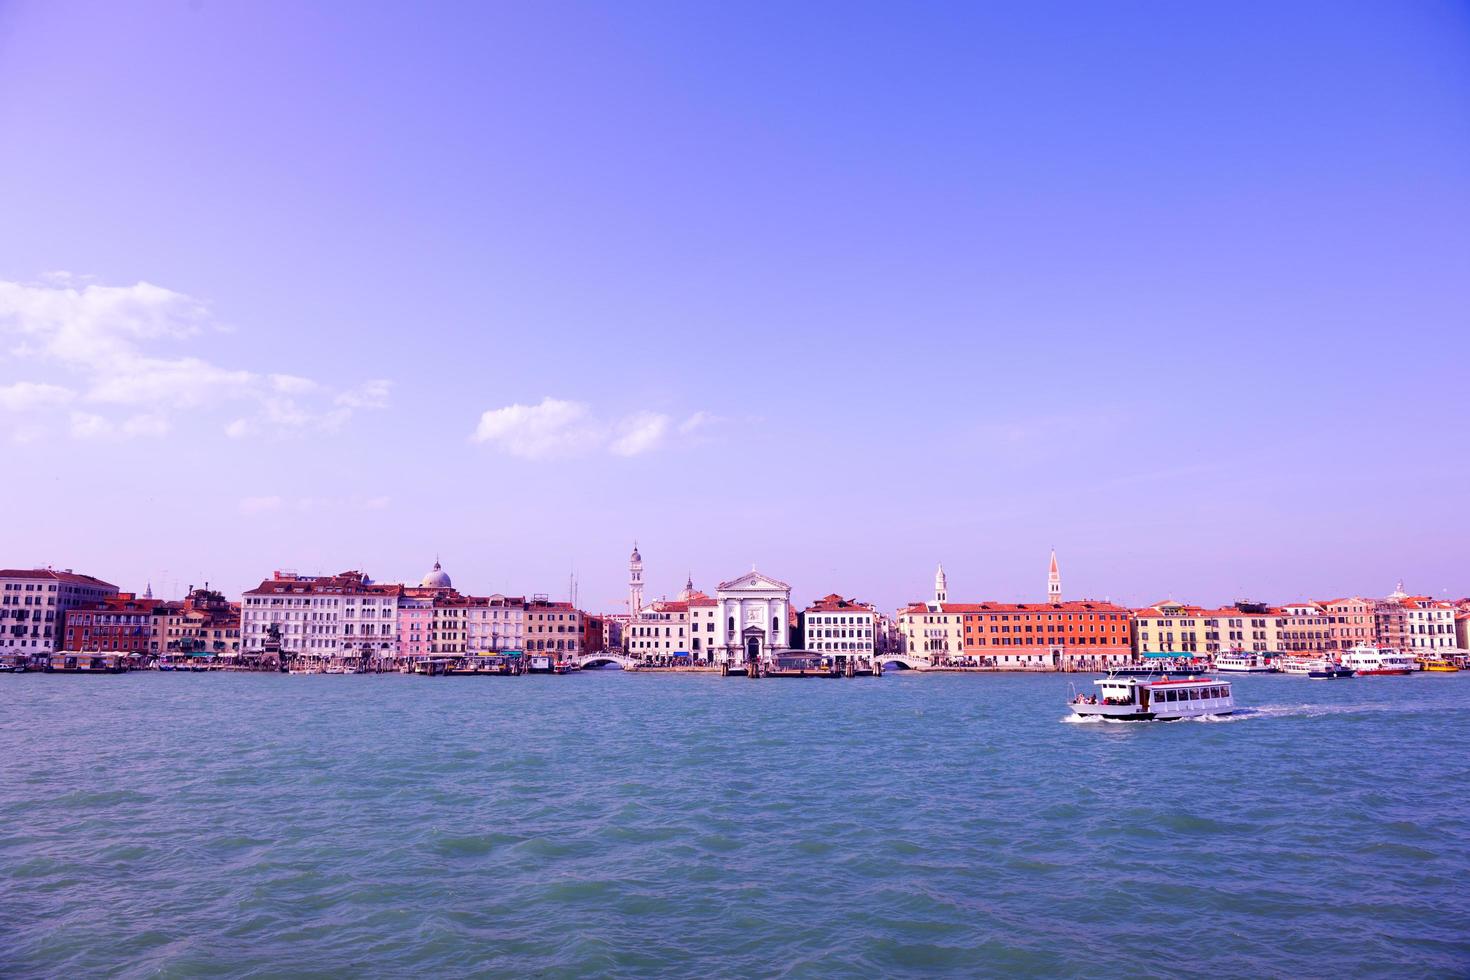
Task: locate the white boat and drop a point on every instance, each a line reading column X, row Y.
column 1128, row 698
column 1377, row 660
column 1293, row 663
column 1243, row 663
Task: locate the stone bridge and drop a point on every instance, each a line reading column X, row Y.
column 598, row 659
column 903, row 660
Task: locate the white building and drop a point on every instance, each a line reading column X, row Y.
column 324, row 616
column 753, row 621
column 1430, row 625
column 495, row 624
column 33, row 605
column 933, row 629
column 840, row 628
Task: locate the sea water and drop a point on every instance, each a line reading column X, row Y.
column 633, row 824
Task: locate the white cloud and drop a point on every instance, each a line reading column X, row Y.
column 85, row 425
column 24, row 396
column 640, row 433
column 290, row 384
column 100, row 337
column 552, row 428
column 369, row 394
column 695, row 422
column 556, row 427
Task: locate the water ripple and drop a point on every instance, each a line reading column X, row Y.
column 631, row 825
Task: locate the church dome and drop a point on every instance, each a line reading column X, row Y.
column 437, row 578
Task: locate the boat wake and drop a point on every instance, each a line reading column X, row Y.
column 1265, row 711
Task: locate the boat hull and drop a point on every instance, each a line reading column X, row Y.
column 1092, row 711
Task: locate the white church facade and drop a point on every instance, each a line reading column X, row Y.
column 753, row 619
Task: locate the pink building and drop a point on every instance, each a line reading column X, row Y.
column 1350, row 622
column 415, row 622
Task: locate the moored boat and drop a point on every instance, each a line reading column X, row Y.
column 1438, row 666
column 1129, row 698
column 1331, row 672
column 1243, row 663
column 1157, row 666
column 1295, row 663
column 1370, row 660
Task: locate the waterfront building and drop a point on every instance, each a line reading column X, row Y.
column 1174, row 627
column 1060, row 635
column 667, row 629
column 121, row 623
column 321, row 616
column 1462, row 624
column 553, row 627
column 1391, row 620
column 660, row 630
column 931, row 629
column 704, row 612
column 495, row 624
column 1305, row 627
column 752, row 619
column 447, row 626
column 204, row 623
column 34, row 603
column 593, row 634
column 1429, row 624
column 840, row 628
column 1350, row 622
column 415, row 622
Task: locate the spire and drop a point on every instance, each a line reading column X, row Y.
column 1053, row 580
column 941, row 585
column 148, row 591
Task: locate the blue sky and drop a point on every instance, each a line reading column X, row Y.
column 840, row 289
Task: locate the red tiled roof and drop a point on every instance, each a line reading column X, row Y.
column 835, row 603
column 1076, row 606
column 52, row 575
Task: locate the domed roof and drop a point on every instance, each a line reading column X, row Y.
column 636, row 555
column 437, row 578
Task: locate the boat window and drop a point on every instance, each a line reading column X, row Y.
column 1171, row 695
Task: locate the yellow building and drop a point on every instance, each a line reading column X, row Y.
column 1173, row 627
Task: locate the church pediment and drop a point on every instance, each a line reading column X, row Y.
column 754, row 582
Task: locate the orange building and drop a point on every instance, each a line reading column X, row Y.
column 1053, row 634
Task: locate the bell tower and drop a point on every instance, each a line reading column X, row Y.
column 941, row 585
column 1053, row 580
column 635, row 583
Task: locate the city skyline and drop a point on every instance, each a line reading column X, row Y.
column 1050, row 589
column 843, row 293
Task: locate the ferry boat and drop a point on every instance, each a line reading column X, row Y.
column 1376, row 660
column 1125, row 698
column 1243, row 663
